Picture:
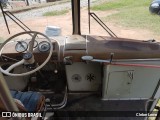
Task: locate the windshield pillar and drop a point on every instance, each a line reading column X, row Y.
column 76, row 17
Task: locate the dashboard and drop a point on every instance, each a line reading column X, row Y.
column 15, row 49
column 22, row 46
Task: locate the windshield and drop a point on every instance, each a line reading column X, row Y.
column 37, row 16
column 126, row 19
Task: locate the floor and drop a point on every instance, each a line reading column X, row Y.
column 91, row 107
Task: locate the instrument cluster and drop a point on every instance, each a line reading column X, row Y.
column 22, row 46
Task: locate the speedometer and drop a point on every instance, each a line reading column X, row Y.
column 21, row 46
column 44, row 46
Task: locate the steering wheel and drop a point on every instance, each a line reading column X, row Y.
column 28, row 57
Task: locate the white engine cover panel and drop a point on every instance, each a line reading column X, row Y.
column 83, row 77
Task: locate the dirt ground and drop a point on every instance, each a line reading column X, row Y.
column 65, row 22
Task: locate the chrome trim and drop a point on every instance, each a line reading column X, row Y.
column 62, row 104
column 136, row 60
column 125, row 60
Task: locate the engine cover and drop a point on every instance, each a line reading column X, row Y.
column 83, row 77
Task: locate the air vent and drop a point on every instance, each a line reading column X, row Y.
column 90, row 77
column 76, row 78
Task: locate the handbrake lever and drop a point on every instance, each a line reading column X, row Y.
column 91, row 59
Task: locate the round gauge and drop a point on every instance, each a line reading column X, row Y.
column 21, row 46
column 35, row 43
column 44, row 46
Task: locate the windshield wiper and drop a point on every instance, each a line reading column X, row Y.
column 3, row 12
column 13, row 18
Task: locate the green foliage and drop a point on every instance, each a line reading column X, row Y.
column 55, row 13
column 131, row 13
column 137, row 17
column 120, row 4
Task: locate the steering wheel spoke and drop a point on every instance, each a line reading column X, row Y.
column 31, row 45
column 14, row 66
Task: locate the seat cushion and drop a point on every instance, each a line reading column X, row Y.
column 32, row 101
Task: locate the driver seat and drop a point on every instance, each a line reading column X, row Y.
column 27, row 101
column 32, row 101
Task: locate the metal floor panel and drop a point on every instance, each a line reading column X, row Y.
column 84, row 103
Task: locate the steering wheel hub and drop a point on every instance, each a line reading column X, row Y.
column 27, row 56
